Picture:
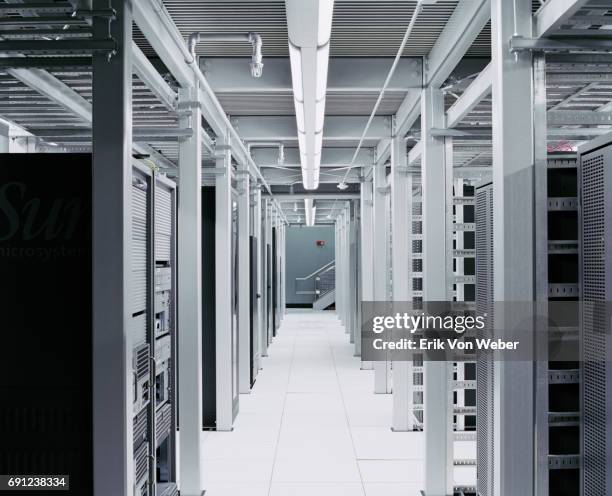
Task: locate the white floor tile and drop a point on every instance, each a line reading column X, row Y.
column 316, row 470
column 391, row 470
column 313, row 426
column 317, row 489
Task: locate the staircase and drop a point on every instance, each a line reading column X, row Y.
column 325, row 301
column 321, row 284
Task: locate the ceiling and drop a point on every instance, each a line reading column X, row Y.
column 360, row 28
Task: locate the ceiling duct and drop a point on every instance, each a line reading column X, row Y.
column 309, row 25
column 311, row 211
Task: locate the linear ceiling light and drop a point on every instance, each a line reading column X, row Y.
column 309, row 26
column 311, row 211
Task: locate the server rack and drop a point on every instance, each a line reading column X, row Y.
column 61, row 183
column 595, row 214
column 564, row 405
column 559, row 445
column 164, row 344
column 417, row 292
column 153, row 327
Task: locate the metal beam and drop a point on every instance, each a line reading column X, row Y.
column 152, row 78
column 578, row 117
column 463, row 27
column 330, row 156
column 228, row 75
column 468, row 19
column 316, row 196
column 470, row 98
column 55, row 90
column 551, row 15
column 415, row 153
column 284, row 128
column 408, row 113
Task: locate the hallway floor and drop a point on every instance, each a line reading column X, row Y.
column 313, row 426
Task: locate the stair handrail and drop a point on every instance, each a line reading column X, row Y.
column 320, row 270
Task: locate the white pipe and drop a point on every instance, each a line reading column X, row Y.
column 253, row 38
column 310, row 211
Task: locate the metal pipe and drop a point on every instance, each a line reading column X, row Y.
column 265, row 144
column 253, row 38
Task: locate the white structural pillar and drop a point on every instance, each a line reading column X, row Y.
column 244, row 282
column 190, row 295
column 4, row 138
column 257, row 333
column 223, row 289
column 513, row 240
column 366, row 255
column 357, row 272
column 438, row 404
column 352, row 273
column 265, row 239
column 112, row 213
column 382, row 383
column 401, row 264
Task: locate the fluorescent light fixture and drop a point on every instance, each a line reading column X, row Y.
column 311, row 211
column 295, row 55
column 309, row 25
column 322, row 64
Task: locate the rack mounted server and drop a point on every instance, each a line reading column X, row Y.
column 46, row 422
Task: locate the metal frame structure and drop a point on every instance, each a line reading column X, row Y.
column 549, row 69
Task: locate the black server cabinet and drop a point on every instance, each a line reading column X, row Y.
column 209, row 358
column 46, row 306
column 269, row 291
column 253, row 307
column 274, row 282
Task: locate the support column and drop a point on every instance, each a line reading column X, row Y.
column 265, row 340
column 513, row 245
column 256, row 194
column 438, row 399
column 382, row 383
column 338, row 270
column 112, row 213
column 223, row 288
column 357, row 268
column 401, row 263
column 352, row 277
column 190, row 295
column 367, row 258
column 346, row 234
column 244, row 282
column 4, row 138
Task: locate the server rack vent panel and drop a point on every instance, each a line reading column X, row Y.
column 595, row 231
column 484, row 366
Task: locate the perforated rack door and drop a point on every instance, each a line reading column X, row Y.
column 484, row 367
column 595, row 227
